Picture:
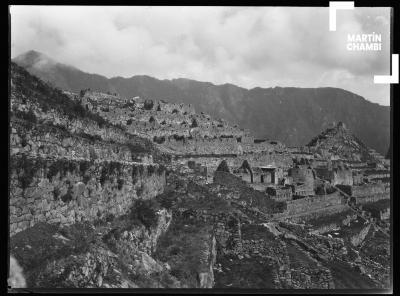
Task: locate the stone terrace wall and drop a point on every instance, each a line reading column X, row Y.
column 66, row 191
column 74, row 125
column 49, row 140
column 203, row 146
column 372, row 198
column 169, row 118
column 312, row 207
column 365, row 189
column 309, row 204
column 279, row 159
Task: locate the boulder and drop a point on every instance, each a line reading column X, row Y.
column 148, row 264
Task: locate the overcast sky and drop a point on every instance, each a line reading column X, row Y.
column 246, row 46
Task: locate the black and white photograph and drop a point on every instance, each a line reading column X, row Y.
column 214, row 148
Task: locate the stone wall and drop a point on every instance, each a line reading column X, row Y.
column 165, row 121
column 312, row 207
column 303, row 175
column 67, row 191
column 203, row 146
column 74, row 125
column 308, row 204
column 40, row 139
column 313, row 214
column 365, row 189
column 280, row 193
column 372, row 198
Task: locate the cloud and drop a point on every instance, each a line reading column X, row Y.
column 247, row 46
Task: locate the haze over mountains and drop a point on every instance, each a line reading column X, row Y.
column 288, row 114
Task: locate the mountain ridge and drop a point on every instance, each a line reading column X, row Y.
column 289, row 114
column 20, row 59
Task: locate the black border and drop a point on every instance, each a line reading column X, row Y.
column 394, row 132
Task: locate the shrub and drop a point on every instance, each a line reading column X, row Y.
column 60, row 166
column 161, row 169
column 103, row 176
column 28, row 116
column 223, row 167
column 194, row 123
column 92, row 153
column 45, row 108
column 24, row 142
column 92, row 138
column 140, row 190
column 67, row 197
column 136, row 148
column 78, row 109
column 151, row 120
column 120, row 183
column 84, row 166
column 151, row 169
column 148, row 104
column 86, row 179
column 100, row 120
column 29, row 169
column 178, row 138
column 167, row 199
column 53, row 170
column 110, row 217
column 146, row 212
column 134, row 174
column 175, row 111
column 56, row 193
column 159, row 140
column 129, row 122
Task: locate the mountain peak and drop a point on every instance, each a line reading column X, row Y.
column 341, row 125
column 337, row 130
column 340, row 142
column 33, row 58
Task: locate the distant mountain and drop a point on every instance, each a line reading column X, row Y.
column 288, row 114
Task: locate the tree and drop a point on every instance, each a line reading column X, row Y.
column 194, row 123
column 246, row 167
column 223, row 167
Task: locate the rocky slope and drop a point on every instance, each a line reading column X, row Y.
column 339, row 142
column 79, row 188
column 292, row 115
